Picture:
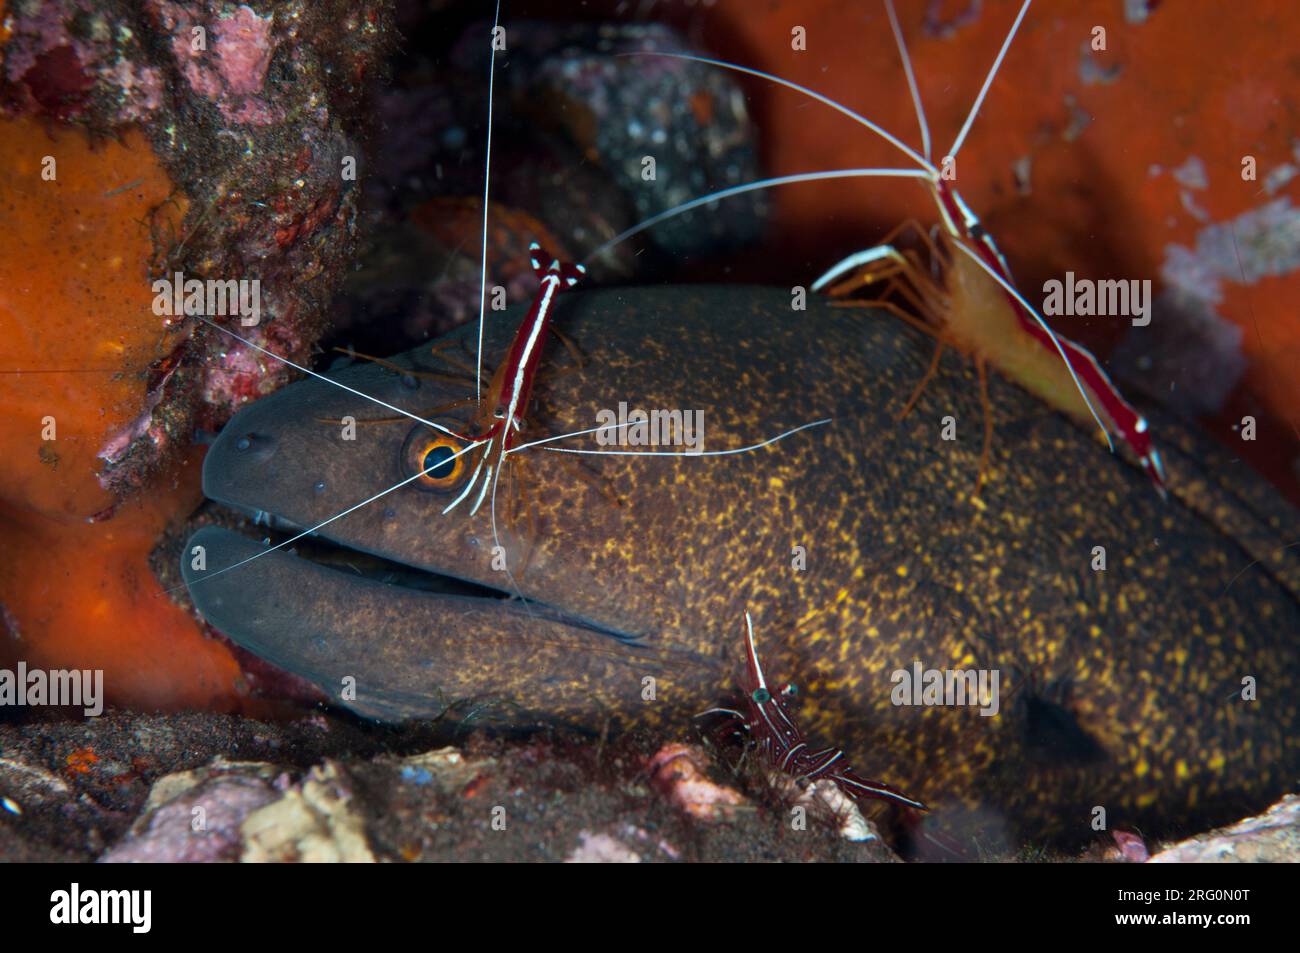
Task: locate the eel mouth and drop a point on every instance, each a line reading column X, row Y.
column 284, row 537
column 322, row 551
column 393, row 642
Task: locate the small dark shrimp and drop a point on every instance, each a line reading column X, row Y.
column 783, row 745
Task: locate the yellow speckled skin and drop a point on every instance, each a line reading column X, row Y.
column 1119, row 688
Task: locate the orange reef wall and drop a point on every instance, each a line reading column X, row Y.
column 78, row 337
column 129, row 152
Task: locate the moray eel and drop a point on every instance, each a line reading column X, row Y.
column 1120, row 688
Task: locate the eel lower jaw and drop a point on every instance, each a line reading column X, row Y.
column 392, row 651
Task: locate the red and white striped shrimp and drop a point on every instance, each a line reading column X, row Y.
column 500, row 416
column 973, row 304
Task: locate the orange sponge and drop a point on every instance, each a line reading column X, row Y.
column 77, row 337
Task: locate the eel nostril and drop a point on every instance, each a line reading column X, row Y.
column 258, row 446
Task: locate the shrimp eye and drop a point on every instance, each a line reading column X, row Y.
column 761, row 696
column 791, row 690
column 433, row 458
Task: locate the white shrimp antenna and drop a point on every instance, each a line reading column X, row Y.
column 861, row 120
column 754, row 187
column 328, row 380
column 487, row 182
column 988, row 81
column 911, row 78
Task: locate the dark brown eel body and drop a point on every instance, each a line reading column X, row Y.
column 1119, row 688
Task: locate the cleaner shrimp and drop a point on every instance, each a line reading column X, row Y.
column 961, row 292
column 782, row 745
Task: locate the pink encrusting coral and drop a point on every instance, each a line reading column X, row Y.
column 48, row 66
column 224, row 59
column 243, row 50
column 141, row 88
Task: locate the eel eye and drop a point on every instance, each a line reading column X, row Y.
column 433, row 455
